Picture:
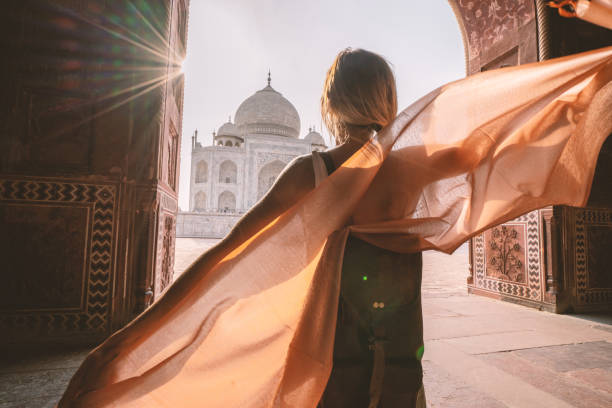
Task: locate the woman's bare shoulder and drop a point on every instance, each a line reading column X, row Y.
column 294, row 182
column 298, row 176
column 302, row 163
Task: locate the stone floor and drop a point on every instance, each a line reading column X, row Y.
column 479, row 352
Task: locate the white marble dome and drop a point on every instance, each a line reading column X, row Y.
column 314, row 138
column 228, row 129
column 268, row 112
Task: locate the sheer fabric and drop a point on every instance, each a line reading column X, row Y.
column 595, row 11
column 256, row 329
column 377, row 349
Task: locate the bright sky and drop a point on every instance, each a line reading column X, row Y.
column 232, row 44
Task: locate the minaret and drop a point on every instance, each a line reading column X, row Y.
column 194, row 139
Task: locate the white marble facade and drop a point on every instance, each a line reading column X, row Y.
column 230, row 176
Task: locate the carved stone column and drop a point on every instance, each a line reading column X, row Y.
column 556, row 250
column 470, row 278
column 90, row 124
column 549, row 252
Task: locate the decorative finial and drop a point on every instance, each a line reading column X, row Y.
column 309, row 129
column 214, row 133
column 269, row 77
column 229, row 118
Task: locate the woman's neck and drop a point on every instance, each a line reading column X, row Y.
column 341, row 153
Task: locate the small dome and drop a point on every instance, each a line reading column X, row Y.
column 268, row 112
column 314, row 138
column 228, row 129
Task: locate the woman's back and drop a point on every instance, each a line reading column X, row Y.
column 379, row 331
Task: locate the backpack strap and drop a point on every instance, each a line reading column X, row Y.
column 322, row 166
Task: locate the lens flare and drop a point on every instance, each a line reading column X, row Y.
column 108, row 57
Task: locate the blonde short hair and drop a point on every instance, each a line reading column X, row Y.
column 359, row 95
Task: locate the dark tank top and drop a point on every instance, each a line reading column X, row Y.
column 379, row 305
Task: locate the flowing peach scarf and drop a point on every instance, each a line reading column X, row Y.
column 257, row 329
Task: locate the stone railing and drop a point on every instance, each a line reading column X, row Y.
column 212, row 223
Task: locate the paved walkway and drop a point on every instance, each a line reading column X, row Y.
column 479, row 352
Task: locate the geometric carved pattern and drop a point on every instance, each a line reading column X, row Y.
column 166, row 228
column 483, row 253
column 172, row 161
column 593, row 230
column 167, row 263
column 94, row 314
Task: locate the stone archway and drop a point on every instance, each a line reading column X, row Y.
column 228, row 172
column 202, row 172
column 227, row 202
column 119, row 154
column 141, row 195
column 199, row 202
column 496, row 35
column 514, row 32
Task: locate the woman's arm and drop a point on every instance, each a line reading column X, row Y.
column 462, row 158
column 294, row 182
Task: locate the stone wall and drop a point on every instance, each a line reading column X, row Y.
column 257, row 164
column 204, row 225
column 90, row 126
column 550, row 258
column 257, row 151
column 496, row 33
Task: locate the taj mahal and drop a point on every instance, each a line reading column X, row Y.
column 246, row 156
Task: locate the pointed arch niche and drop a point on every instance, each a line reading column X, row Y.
column 199, row 201
column 267, row 176
column 228, row 172
column 202, row 172
column 227, row 202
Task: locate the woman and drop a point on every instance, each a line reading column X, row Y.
column 359, row 98
column 379, row 334
column 251, row 323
